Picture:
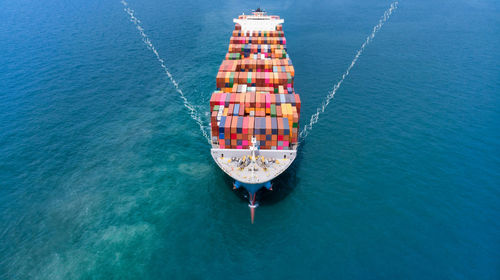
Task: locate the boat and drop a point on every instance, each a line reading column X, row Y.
column 254, row 109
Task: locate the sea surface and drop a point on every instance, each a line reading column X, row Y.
column 105, row 174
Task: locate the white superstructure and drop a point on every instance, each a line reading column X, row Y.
column 258, row 21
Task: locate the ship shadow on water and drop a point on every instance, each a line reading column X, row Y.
column 283, row 185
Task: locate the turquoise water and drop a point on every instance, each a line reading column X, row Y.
column 104, row 173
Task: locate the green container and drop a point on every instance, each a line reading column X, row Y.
column 273, row 110
column 216, row 107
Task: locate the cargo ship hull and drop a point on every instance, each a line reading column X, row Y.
column 255, row 110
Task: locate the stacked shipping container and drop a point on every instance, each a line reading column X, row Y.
column 255, row 95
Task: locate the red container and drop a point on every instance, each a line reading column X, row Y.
column 297, row 102
column 214, row 99
column 234, row 122
column 242, row 109
column 268, row 125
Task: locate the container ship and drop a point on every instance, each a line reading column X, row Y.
column 255, row 110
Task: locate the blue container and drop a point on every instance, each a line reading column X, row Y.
column 236, row 109
column 221, row 126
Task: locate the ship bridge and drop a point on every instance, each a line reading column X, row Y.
column 258, row 21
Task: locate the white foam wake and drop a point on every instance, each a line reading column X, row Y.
column 315, row 117
column 192, row 111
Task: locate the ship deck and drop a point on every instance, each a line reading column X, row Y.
column 259, row 168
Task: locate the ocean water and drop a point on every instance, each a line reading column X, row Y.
column 105, row 173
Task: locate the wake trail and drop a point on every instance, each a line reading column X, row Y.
column 315, row 117
column 191, row 109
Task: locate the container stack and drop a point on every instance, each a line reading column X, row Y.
column 255, row 95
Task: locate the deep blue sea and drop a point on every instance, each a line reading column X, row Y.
column 104, row 174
